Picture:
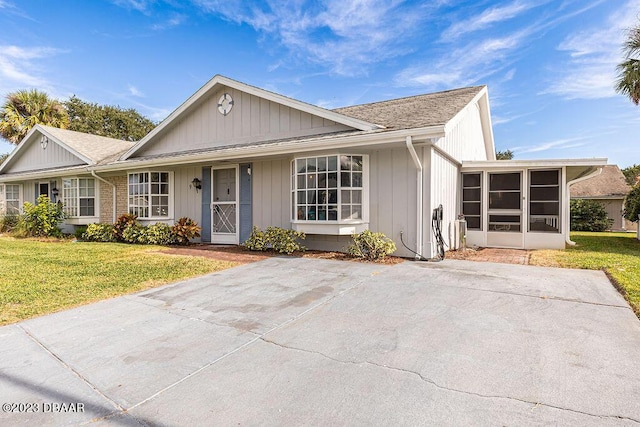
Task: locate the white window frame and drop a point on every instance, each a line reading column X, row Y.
column 149, row 195
column 339, row 226
column 4, row 201
column 64, row 197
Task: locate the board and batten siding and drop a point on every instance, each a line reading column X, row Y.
column 392, row 197
column 464, row 139
column 442, row 187
column 34, row 157
column 252, row 119
column 187, row 200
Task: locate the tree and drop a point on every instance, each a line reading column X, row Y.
column 504, row 155
column 107, row 120
column 589, row 215
column 24, row 109
column 632, row 204
column 631, row 174
column 3, row 157
column 629, row 70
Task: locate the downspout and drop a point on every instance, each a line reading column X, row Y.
column 567, row 215
column 113, row 191
column 419, row 198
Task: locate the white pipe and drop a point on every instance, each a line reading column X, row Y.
column 113, row 191
column 419, row 192
column 567, row 213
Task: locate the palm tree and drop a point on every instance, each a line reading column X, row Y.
column 24, row 109
column 629, row 71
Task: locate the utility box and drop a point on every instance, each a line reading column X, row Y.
column 460, row 234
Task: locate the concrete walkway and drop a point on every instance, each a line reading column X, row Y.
column 294, row 341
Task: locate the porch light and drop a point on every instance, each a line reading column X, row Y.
column 196, row 183
column 55, row 192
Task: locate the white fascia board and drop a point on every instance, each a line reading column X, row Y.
column 28, row 176
column 289, row 147
column 514, row 164
column 271, row 96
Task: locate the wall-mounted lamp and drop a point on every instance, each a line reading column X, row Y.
column 196, row 183
column 55, row 192
column 249, row 171
column 44, row 141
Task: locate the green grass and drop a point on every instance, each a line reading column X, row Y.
column 618, row 254
column 40, row 277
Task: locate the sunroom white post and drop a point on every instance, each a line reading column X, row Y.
column 419, row 211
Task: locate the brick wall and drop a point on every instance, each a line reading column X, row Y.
column 106, row 198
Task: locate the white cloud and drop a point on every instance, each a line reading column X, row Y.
column 19, row 67
column 556, row 145
column 172, row 22
column 487, row 18
column 133, row 91
column 589, row 71
column 139, row 5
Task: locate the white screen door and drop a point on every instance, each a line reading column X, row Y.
column 224, row 205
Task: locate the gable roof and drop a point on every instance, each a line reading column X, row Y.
column 92, row 149
column 431, row 109
column 219, row 80
column 610, row 183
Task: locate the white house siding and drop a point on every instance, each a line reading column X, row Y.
column 187, row 200
column 464, row 138
column 34, row 157
column 252, row 119
column 392, row 196
column 442, row 187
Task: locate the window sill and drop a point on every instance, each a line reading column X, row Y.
column 330, row 228
column 82, row 220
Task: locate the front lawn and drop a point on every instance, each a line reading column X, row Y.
column 616, row 253
column 40, row 277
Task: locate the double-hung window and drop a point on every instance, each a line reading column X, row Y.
column 149, row 194
column 79, row 197
column 10, row 193
column 329, row 189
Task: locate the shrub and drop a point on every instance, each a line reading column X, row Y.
column 256, row 241
column 158, row 234
column 371, row 246
column 99, row 233
column 135, row 233
column 184, row 230
column 41, row 219
column 632, row 204
column 79, row 232
column 8, row 223
column 284, row 241
column 122, row 223
column 589, row 215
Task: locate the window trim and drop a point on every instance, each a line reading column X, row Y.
column 170, row 195
column 3, row 197
column 334, row 227
column 96, row 202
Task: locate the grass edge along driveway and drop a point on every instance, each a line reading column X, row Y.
column 41, row 277
column 618, row 254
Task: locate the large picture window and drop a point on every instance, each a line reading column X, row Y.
column 328, row 188
column 149, row 194
column 10, row 195
column 79, row 196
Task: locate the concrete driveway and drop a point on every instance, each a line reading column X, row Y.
column 294, row 341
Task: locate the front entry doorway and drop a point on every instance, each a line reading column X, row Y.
column 224, row 205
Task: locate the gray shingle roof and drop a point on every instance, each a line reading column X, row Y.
column 415, row 111
column 99, row 149
column 610, row 183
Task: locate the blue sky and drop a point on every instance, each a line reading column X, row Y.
column 549, row 64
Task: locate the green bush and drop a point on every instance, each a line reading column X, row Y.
column 136, row 234
column 122, row 223
column 371, row 246
column 589, row 215
column 256, row 241
column 632, row 204
column 99, row 233
column 79, row 232
column 41, row 219
column 158, row 234
column 184, row 230
column 281, row 240
column 8, row 223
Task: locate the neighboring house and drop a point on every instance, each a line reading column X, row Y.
column 233, row 156
column 610, row 188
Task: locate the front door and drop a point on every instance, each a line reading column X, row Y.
column 224, row 205
column 504, row 216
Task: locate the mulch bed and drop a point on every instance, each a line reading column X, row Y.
column 242, row 255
